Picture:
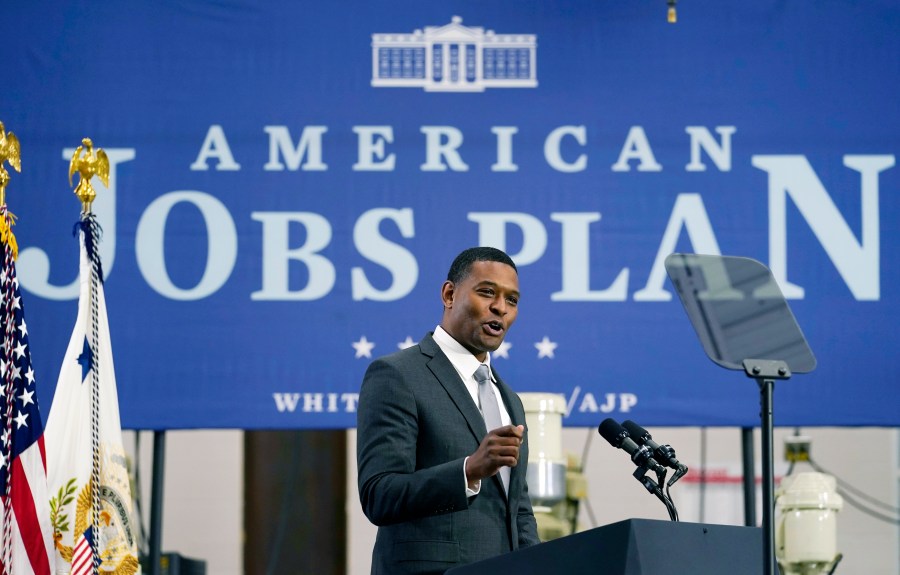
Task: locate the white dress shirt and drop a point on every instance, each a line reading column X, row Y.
column 465, row 364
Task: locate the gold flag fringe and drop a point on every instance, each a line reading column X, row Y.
column 6, row 234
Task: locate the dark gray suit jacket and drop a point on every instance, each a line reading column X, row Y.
column 416, row 425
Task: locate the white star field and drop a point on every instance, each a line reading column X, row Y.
column 545, row 348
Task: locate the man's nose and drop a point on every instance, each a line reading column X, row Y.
column 499, row 306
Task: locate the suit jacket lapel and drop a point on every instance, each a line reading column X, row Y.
column 446, row 374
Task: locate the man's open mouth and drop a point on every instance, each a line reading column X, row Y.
column 495, row 327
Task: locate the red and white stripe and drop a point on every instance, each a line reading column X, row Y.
column 82, row 557
column 31, row 538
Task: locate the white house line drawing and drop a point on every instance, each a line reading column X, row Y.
column 454, row 58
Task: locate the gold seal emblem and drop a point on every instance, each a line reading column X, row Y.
column 115, row 539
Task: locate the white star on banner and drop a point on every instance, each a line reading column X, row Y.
column 545, row 348
column 23, row 328
column 29, row 375
column 363, row 347
column 502, row 351
column 20, row 350
column 408, row 342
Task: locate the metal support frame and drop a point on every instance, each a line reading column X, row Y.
column 765, row 372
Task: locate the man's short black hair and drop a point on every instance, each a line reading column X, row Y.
column 461, row 266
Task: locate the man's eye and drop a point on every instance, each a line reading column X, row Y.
column 512, row 301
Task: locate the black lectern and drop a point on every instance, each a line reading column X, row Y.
column 636, row 547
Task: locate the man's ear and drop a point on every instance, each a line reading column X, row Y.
column 447, row 293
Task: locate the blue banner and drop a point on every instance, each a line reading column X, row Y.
column 290, row 181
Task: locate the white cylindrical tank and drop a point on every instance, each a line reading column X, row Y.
column 806, row 530
column 546, row 474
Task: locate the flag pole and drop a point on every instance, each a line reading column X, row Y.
column 89, row 218
column 93, row 162
column 9, row 152
column 9, row 324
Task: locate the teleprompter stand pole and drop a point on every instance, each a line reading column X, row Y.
column 749, row 476
column 765, row 372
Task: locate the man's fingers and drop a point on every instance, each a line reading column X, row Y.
column 504, row 454
column 500, row 448
column 510, row 431
column 504, row 440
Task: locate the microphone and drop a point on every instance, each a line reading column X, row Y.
column 663, row 453
column 618, row 437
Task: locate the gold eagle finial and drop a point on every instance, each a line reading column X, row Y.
column 92, row 163
column 9, row 152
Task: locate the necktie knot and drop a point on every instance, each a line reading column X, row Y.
column 483, row 374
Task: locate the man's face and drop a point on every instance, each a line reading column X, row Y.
column 481, row 308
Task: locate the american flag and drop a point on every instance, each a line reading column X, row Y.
column 83, row 554
column 27, row 535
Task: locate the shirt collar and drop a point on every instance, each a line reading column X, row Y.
column 461, row 358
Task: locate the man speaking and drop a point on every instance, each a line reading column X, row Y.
column 442, row 448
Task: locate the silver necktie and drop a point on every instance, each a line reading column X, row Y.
column 490, row 410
